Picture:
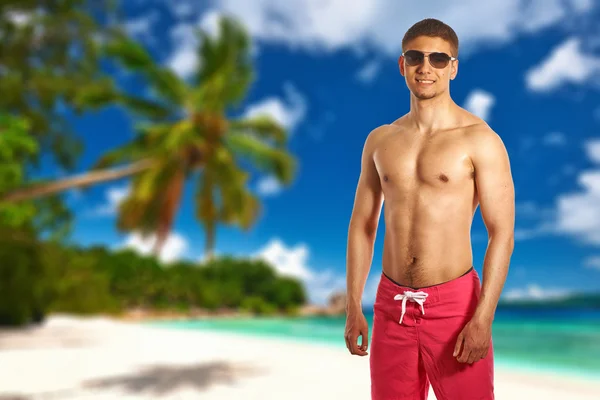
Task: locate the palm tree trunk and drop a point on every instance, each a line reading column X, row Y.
column 169, row 208
column 85, row 179
column 209, row 245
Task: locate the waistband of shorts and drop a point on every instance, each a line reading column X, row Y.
column 457, row 283
column 430, row 286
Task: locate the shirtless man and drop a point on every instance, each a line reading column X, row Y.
column 432, row 314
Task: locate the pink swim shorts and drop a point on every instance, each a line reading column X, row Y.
column 412, row 349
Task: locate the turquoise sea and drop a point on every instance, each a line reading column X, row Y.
column 566, row 341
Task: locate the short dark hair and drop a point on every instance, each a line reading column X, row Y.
column 433, row 28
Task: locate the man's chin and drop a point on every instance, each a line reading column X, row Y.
column 424, row 96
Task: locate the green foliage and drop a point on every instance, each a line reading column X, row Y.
column 38, row 278
column 22, row 285
column 189, row 136
column 16, row 145
column 76, row 283
column 257, row 305
column 51, row 61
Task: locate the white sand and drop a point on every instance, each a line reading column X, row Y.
column 99, row 358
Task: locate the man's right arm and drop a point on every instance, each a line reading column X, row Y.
column 363, row 225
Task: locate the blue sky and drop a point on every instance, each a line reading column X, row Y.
column 329, row 73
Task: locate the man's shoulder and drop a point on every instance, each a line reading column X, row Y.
column 479, row 131
column 483, row 141
column 378, row 133
column 382, row 130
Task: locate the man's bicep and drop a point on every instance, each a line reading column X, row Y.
column 369, row 196
column 495, row 187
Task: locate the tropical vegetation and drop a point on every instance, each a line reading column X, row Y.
column 187, row 131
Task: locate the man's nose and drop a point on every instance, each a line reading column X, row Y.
column 425, row 65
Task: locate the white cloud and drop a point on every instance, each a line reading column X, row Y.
column 480, row 102
column 575, row 214
column 592, row 148
column 369, row 71
column 320, row 285
column 535, row 292
column 184, row 60
column 565, row 64
column 287, row 261
column 173, row 249
column 555, row 139
column 288, row 114
column 380, row 24
column 578, row 214
column 592, row 262
column 114, row 197
column 293, row 262
column 269, row 186
column 209, row 22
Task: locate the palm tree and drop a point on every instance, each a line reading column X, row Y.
column 188, row 135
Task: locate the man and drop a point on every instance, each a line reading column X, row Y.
column 432, row 314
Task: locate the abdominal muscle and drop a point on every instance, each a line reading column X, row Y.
column 427, row 243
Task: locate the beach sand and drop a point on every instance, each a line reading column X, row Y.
column 102, row 358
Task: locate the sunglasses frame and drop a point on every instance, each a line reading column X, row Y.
column 427, row 54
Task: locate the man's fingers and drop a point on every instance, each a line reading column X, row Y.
column 352, row 344
column 365, row 340
column 464, row 357
column 360, row 350
column 459, row 341
column 485, row 353
column 474, row 356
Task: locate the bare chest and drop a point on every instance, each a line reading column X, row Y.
column 442, row 163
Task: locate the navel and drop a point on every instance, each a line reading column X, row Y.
column 443, row 178
column 385, row 178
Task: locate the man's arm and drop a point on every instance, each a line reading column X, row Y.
column 363, row 225
column 496, row 194
column 496, row 198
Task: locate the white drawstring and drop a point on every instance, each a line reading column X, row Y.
column 417, row 297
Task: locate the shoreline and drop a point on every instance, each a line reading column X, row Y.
column 198, row 313
column 71, row 357
column 501, row 364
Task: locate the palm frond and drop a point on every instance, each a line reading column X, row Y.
column 129, row 152
column 129, row 53
column 148, row 108
column 263, row 127
column 226, row 70
column 238, row 205
column 268, row 159
column 135, row 57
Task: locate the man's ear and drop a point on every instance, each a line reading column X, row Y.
column 454, row 69
column 401, row 65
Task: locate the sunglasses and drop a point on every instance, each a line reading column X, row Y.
column 437, row 60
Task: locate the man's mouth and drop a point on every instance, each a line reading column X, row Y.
column 425, row 81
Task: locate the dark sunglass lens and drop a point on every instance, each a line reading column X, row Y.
column 413, row 57
column 439, row 60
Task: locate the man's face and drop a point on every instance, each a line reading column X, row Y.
column 425, row 71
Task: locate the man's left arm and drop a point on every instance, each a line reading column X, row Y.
column 495, row 190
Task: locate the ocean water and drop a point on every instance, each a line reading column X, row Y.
column 565, row 341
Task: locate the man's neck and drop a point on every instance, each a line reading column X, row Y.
column 431, row 115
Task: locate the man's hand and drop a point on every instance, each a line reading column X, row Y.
column 475, row 338
column 356, row 325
